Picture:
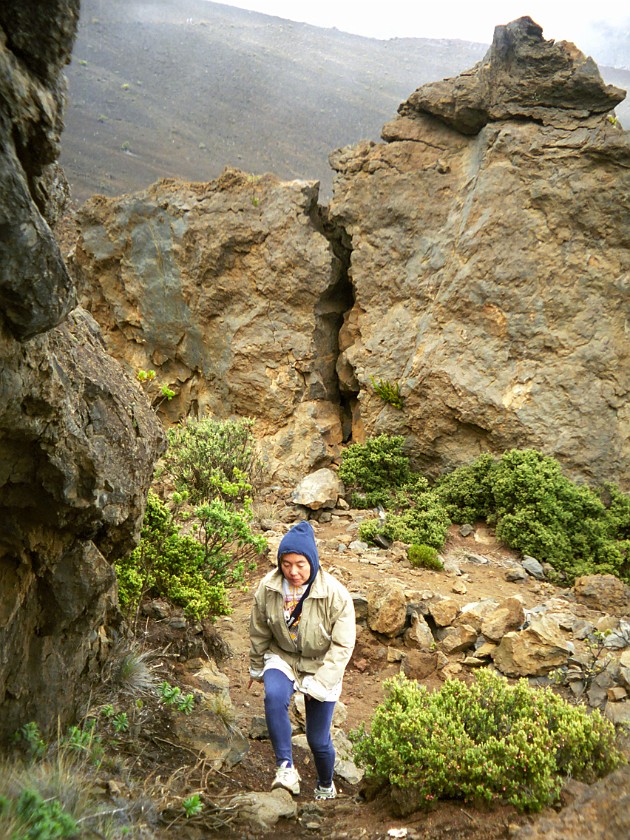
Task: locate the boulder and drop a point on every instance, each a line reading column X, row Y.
column 603, row 592
column 460, row 250
column 36, row 292
column 510, row 615
column 532, row 652
column 78, row 440
column 320, row 489
column 387, row 609
column 232, row 293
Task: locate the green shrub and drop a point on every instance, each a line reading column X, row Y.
column 424, row 556
column 467, row 491
column 535, row 508
column 539, row 511
column 374, row 469
column 488, row 741
column 34, row 818
column 193, row 572
column 210, row 459
column 416, row 515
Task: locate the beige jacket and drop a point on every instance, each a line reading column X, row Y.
column 326, row 631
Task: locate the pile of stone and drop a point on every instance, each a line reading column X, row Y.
column 580, row 638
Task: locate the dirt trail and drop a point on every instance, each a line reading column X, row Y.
column 351, row 816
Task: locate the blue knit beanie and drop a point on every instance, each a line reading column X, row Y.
column 300, row 540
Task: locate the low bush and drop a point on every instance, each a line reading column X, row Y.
column 466, row 492
column 371, row 471
column 539, row 511
column 425, row 557
column 488, row 741
column 535, row 508
column 415, row 514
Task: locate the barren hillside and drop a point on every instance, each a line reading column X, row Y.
column 186, row 88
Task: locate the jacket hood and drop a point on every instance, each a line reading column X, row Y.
column 300, row 540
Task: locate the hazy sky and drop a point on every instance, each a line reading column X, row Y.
column 470, row 20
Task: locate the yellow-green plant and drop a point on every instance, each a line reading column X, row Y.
column 388, row 391
column 487, row 741
column 424, row 556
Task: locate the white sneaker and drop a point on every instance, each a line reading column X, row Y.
column 322, row 792
column 287, row 777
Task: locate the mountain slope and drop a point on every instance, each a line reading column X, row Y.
column 186, row 88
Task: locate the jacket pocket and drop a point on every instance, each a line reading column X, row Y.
column 325, row 633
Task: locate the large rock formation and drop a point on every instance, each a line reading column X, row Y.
column 490, row 263
column 488, row 277
column 522, row 76
column 77, row 437
column 230, row 291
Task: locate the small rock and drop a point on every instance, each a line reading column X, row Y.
column 476, row 558
column 451, row 568
column 258, row 729
column 533, row 567
column 616, row 693
column 485, row 649
column 178, row 622
column 596, row 696
column 582, row 629
column 516, row 575
column 359, row 545
column 457, row 639
column 382, row 541
column 263, row 810
column 618, row 713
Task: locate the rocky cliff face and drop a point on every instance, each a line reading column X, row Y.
column 233, row 293
column 490, row 263
column 77, row 438
column 488, row 277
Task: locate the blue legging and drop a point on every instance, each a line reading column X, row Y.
column 278, row 692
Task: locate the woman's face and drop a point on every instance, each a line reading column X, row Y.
column 295, row 568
